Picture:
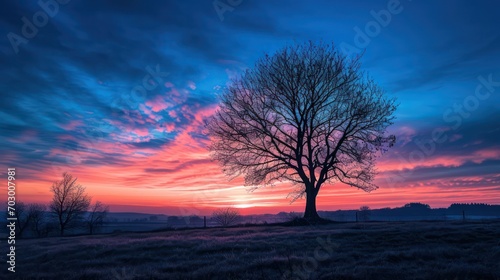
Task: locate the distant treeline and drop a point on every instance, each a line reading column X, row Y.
column 146, row 222
column 480, row 209
column 410, row 211
column 416, row 211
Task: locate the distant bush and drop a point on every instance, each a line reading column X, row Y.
column 174, row 221
column 364, row 213
column 417, row 205
column 226, row 217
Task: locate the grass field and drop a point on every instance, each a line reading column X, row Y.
column 376, row 250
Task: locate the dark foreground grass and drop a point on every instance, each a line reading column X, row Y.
column 409, row 250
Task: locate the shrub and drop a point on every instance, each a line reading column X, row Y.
column 226, row 216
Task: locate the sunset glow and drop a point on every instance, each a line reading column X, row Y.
column 124, row 111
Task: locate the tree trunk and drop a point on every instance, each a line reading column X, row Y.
column 311, row 213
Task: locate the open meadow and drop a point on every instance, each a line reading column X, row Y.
column 373, row 250
column 241, row 140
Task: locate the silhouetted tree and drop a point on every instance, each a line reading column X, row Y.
column 306, row 115
column 96, row 216
column 23, row 218
column 28, row 215
column 417, row 205
column 39, row 220
column 226, row 216
column 364, row 213
column 69, row 202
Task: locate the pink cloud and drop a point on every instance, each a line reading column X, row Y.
column 182, row 177
column 158, row 104
column 140, row 131
column 72, row 125
column 404, row 134
column 26, row 136
column 191, row 85
column 396, row 162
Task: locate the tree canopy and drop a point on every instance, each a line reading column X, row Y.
column 307, row 115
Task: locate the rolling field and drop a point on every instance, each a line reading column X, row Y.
column 375, row 250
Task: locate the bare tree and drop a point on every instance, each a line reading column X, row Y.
column 28, row 216
column 307, row 115
column 364, row 213
column 23, row 218
column 69, row 202
column 226, row 216
column 96, row 216
column 38, row 217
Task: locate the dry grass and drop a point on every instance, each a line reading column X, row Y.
column 406, row 250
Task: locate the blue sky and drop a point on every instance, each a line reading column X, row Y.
column 79, row 82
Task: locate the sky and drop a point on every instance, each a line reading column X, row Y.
column 116, row 92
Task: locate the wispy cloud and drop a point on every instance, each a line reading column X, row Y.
column 67, row 99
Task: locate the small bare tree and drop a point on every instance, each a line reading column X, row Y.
column 96, row 216
column 38, row 218
column 364, row 213
column 226, row 216
column 69, row 202
column 29, row 216
column 23, row 218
